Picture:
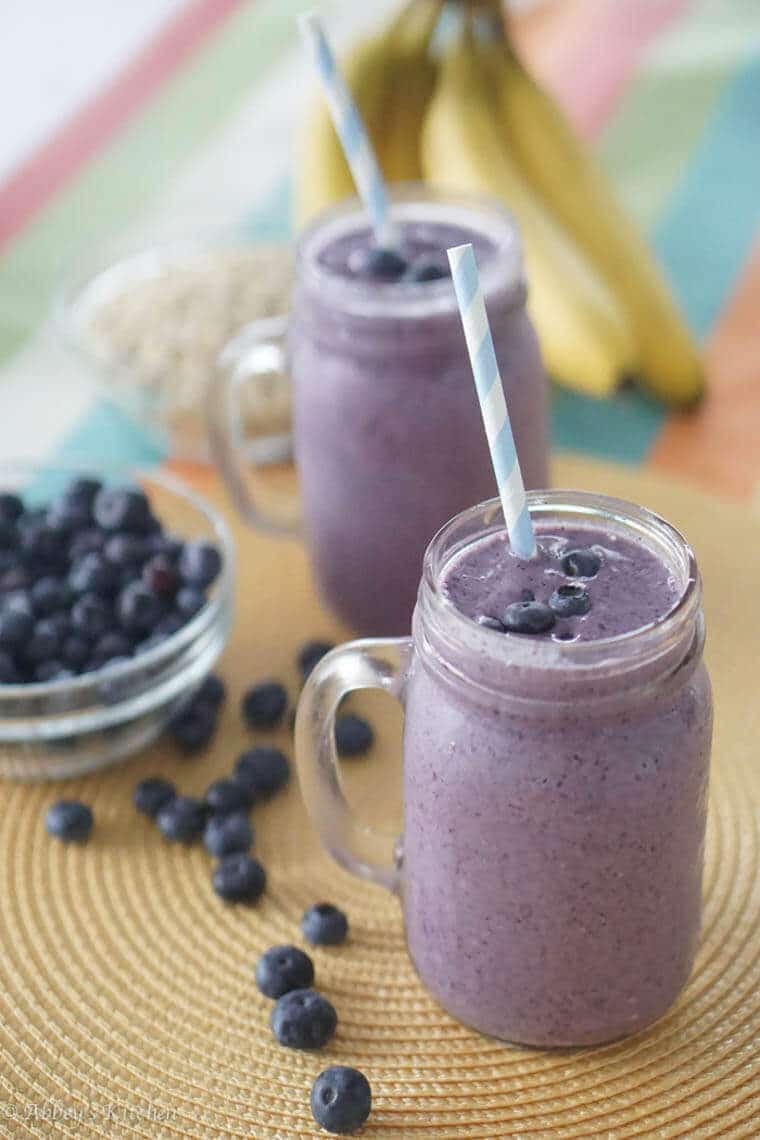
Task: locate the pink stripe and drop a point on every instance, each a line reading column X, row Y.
column 41, row 176
column 590, row 79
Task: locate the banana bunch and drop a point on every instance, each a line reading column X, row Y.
column 470, row 117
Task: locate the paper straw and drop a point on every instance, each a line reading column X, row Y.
column 357, row 147
column 493, row 406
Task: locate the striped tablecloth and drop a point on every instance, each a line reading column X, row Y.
column 119, row 115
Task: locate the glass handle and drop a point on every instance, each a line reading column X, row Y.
column 367, row 664
column 245, row 365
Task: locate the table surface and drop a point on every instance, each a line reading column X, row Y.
column 183, row 110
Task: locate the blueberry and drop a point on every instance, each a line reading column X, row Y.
column 581, row 563
column 11, row 507
column 428, row 267
column 93, row 574
column 200, row 563
column 9, row 536
column 91, row 615
column 125, row 550
column 282, row 969
column 527, row 596
column 164, row 544
column 377, row 264
column 182, row 819
column 189, row 601
column 82, row 490
column 61, row 623
column 15, row 629
column 341, row 1099
column 138, row 608
column 569, row 601
column 303, row 1019
column 49, row 594
column 262, row 770
column 193, row 728
column 225, row 796
column 52, row 671
column 160, row 576
column 17, row 578
column 69, row 820
column 41, row 544
column 230, row 834
column 239, row 878
column 490, row 622
column 122, row 508
column 18, row 601
column 9, row 674
column 310, row 654
column 75, row 651
column 212, row 691
column 353, row 736
column 43, row 642
column 153, row 794
column 264, row 704
column 110, row 646
column 528, row 617
column 324, row 925
column 170, row 624
column 88, row 541
column 69, row 517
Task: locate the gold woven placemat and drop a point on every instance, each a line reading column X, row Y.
column 127, row 1003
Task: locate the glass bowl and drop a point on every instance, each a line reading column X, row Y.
column 66, row 728
column 146, row 315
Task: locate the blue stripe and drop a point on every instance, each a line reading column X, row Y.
column 705, row 235
column 522, row 536
column 351, row 132
column 503, row 453
column 484, row 367
column 325, row 59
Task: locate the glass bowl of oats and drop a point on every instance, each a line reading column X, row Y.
column 148, row 318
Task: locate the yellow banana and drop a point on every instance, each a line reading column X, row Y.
column 391, row 78
column 583, row 336
column 561, row 169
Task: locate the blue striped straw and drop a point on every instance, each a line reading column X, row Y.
column 358, row 149
column 493, row 406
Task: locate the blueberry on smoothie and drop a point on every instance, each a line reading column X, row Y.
column 239, row 879
column 377, row 264
column 581, row 563
column 324, row 925
column 489, row 622
column 310, row 654
column 428, row 267
column 528, row 617
column 341, row 1099
column 570, row 601
column 303, row 1019
column 282, row 969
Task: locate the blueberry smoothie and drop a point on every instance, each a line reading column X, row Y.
column 388, row 436
column 556, row 749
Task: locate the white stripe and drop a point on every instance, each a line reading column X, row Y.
column 476, row 321
column 512, row 493
column 494, row 410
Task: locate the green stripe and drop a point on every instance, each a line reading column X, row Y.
column 122, row 179
column 662, row 116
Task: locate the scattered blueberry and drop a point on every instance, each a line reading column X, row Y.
column 428, row 267
column 153, row 794
column 264, row 704
column 528, row 617
column 353, row 735
column 239, row 878
column 69, row 820
column 324, row 925
column 490, row 622
column 341, row 1099
column 230, row 834
column 282, row 969
column 182, row 819
column 570, row 601
column 192, row 728
column 121, row 508
column 262, row 770
column 138, row 608
column 199, row 563
column 303, row 1019
column 311, row 654
column 581, row 563
column 225, row 796
column 377, row 264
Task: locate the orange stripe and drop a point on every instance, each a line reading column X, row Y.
column 718, row 445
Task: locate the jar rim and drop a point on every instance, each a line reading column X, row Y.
column 412, row 301
column 450, row 630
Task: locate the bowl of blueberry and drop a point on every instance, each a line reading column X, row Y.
column 115, row 602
